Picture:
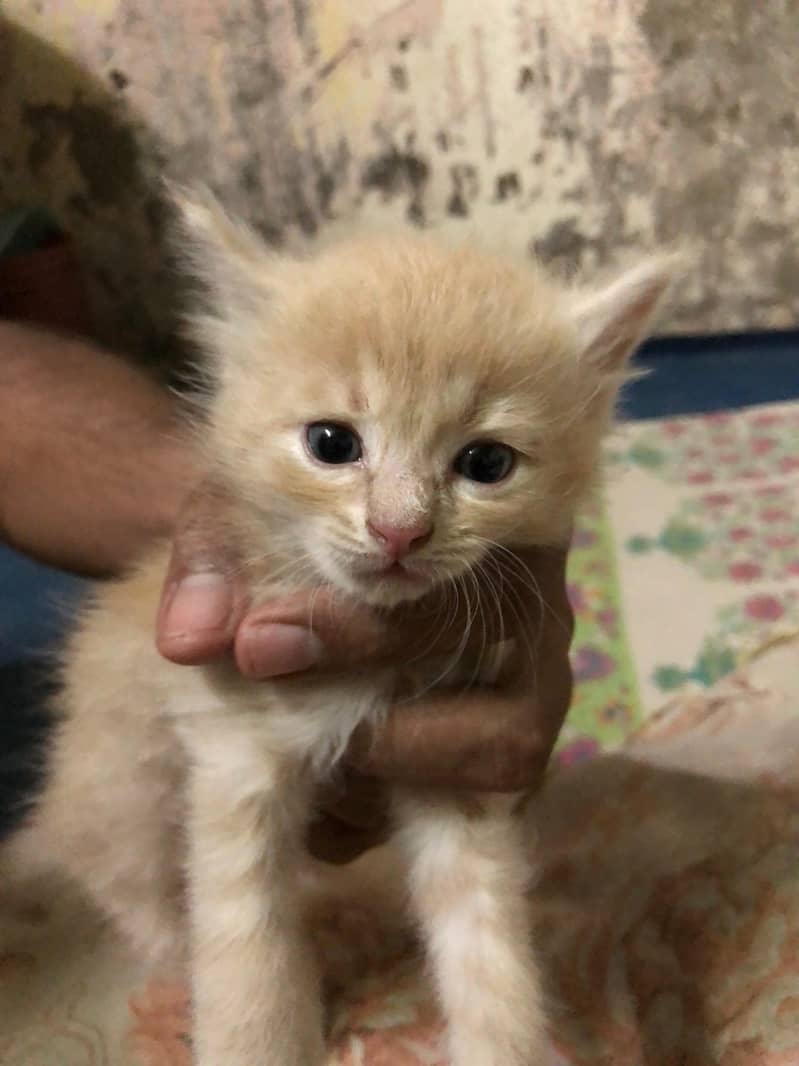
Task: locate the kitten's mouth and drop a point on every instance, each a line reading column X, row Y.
column 394, row 573
column 399, row 573
column 382, row 581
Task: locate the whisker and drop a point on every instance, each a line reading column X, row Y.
column 484, row 639
column 452, row 613
column 456, row 658
column 523, row 573
column 522, row 627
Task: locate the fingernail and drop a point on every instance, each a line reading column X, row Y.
column 199, row 603
column 272, row 649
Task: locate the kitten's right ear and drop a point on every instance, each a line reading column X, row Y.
column 613, row 320
column 224, row 255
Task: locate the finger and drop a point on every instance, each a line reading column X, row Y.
column 324, row 629
column 315, row 628
column 480, row 740
column 202, row 600
column 536, row 581
column 491, row 739
column 539, row 663
column 549, row 569
column 334, row 841
column 360, row 801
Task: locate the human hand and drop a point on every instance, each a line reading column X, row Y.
column 496, row 739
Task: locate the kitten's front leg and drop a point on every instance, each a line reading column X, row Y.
column 256, row 997
column 469, row 876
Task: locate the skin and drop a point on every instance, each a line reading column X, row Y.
column 93, row 467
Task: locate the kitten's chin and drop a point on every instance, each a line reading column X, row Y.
column 392, row 591
column 383, row 588
column 388, row 590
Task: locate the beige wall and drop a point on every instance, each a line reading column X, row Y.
column 583, row 128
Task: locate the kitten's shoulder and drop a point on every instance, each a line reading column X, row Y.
column 122, row 610
column 137, row 594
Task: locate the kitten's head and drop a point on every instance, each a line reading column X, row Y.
column 397, row 407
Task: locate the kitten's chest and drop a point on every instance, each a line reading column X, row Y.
column 313, row 718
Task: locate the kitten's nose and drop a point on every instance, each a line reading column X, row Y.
column 399, row 541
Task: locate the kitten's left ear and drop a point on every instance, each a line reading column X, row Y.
column 224, row 254
column 612, row 321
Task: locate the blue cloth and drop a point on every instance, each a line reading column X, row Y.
column 698, row 375
column 36, row 604
column 25, row 722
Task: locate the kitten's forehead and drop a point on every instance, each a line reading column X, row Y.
column 415, row 334
column 416, row 403
column 396, row 388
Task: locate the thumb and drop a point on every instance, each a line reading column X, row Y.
column 316, row 628
column 202, row 601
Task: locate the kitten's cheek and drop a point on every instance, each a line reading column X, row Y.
column 271, row 650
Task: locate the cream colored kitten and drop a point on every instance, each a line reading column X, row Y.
column 382, row 413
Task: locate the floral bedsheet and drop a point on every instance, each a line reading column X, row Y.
column 688, row 567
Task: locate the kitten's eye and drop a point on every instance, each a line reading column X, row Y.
column 485, row 461
column 332, row 443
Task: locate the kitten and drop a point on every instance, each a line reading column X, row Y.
column 382, row 413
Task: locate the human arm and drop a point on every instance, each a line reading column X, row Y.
column 92, row 466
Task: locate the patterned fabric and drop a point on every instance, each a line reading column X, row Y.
column 667, row 908
column 585, row 129
column 691, row 567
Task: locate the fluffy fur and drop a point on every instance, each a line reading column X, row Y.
column 179, row 797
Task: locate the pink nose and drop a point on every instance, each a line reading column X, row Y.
column 399, row 541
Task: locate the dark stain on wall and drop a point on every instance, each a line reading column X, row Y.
column 526, row 79
column 727, row 63
column 507, row 185
column 563, row 243
column 731, row 83
column 465, row 189
column 399, row 77
column 721, row 118
column 300, row 10
column 598, row 76
column 330, row 174
column 298, row 210
column 456, row 204
column 263, row 80
column 399, row 173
